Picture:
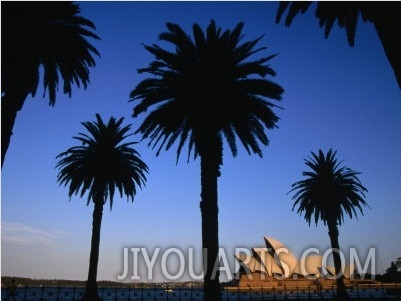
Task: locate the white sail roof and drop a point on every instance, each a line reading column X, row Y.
column 277, row 259
column 283, row 255
column 268, row 264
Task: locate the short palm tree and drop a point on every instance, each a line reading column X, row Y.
column 100, row 164
column 48, row 37
column 329, row 191
column 200, row 93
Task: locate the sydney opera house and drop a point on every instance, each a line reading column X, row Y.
column 275, row 263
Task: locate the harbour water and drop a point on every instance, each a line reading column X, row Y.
column 195, row 294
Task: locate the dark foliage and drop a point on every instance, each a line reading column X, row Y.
column 41, row 41
column 385, row 15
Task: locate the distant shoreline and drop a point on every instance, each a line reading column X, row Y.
column 24, row 281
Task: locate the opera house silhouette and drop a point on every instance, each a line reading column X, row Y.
column 274, row 263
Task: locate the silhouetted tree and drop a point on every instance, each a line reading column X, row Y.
column 392, row 274
column 204, row 91
column 100, row 164
column 327, row 193
column 41, row 37
column 385, row 16
column 392, row 269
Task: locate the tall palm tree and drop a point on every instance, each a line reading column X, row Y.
column 385, row 16
column 41, row 37
column 202, row 92
column 329, row 191
column 102, row 162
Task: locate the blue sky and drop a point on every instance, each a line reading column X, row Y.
column 335, row 97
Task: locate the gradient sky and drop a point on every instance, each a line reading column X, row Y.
column 335, row 97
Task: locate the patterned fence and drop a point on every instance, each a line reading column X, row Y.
column 367, row 292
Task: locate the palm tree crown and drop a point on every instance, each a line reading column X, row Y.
column 329, row 191
column 41, row 37
column 206, row 87
column 51, row 35
column 102, row 163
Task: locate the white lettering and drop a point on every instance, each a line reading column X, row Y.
column 370, row 258
column 125, row 265
column 181, row 265
column 150, row 263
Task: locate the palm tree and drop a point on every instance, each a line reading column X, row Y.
column 329, row 191
column 36, row 37
column 102, row 162
column 205, row 91
column 384, row 16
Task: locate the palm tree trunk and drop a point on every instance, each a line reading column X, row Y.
column 91, row 285
column 210, row 164
column 333, row 234
column 10, row 106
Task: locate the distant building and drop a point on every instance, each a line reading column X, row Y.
column 270, row 265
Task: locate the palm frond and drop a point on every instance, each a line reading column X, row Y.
column 329, row 190
column 51, row 35
column 201, row 89
column 102, row 163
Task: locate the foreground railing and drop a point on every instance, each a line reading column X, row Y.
column 361, row 292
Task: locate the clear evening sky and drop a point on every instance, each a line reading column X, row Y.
column 335, row 97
